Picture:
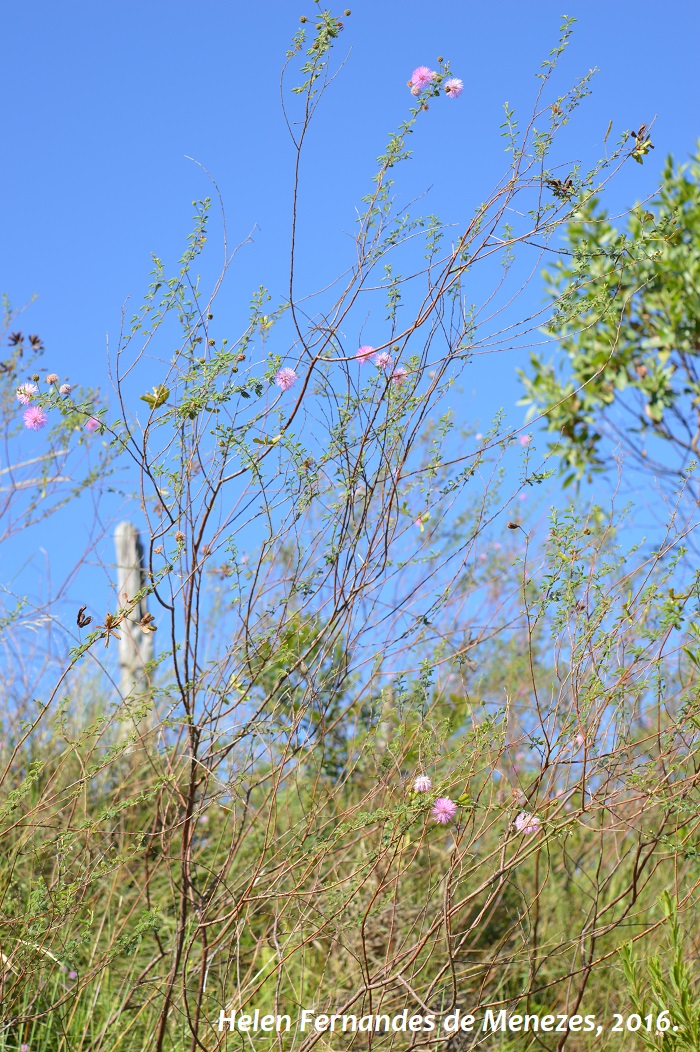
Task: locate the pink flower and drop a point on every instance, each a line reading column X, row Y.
column 526, row 823
column 25, row 393
column 444, row 810
column 364, row 355
column 52, row 378
column 454, row 88
column 64, row 389
column 92, row 424
column 399, row 375
column 422, row 784
column 420, row 78
column 35, row 418
column 525, row 440
column 383, row 360
column 72, row 975
column 285, row 378
column 24, row 1047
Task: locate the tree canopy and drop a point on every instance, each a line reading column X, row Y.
column 627, row 367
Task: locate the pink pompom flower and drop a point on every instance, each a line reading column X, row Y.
column 422, row 784
column 525, row 440
column 364, row 355
column 420, row 78
column 527, row 824
column 25, row 393
column 65, row 389
column 34, row 418
column 444, row 810
column 383, row 360
column 454, row 88
column 92, row 424
column 52, row 378
column 399, row 375
column 285, row 378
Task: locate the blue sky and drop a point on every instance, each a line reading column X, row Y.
column 103, row 103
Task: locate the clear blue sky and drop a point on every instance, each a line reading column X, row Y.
column 104, row 101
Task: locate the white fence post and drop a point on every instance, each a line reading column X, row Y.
column 135, row 645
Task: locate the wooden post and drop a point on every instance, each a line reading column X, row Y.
column 135, row 645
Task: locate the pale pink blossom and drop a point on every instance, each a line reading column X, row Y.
column 285, row 378
column 454, row 88
column 420, row 78
column 383, row 360
column 364, row 355
column 525, row 440
column 65, row 389
column 422, row 784
column 34, row 418
column 399, row 375
column 92, row 424
column 526, row 823
column 24, row 1047
column 444, row 810
column 52, row 378
column 25, row 393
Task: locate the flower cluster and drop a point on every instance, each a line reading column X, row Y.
column 423, row 77
column 25, row 393
column 286, row 378
column 527, row 824
column 34, row 416
column 383, row 360
column 420, row 78
column 444, row 810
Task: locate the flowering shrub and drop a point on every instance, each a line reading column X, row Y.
column 342, row 600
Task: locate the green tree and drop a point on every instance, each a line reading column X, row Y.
column 627, row 368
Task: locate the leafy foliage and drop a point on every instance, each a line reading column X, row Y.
column 627, row 369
